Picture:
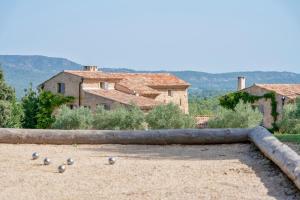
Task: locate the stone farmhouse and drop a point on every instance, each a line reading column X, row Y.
column 91, row 88
column 284, row 94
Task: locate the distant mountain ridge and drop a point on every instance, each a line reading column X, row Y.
column 21, row 70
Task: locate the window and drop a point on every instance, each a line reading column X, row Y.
column 104, row 105
column 72, row 106
column 180, row 102
column 170, row 93
column 61, row 88
column 103, row 85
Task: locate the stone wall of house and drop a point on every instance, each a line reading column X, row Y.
column 265, row 105
column 92, row 101
column 71, row 85
column 88, row 83
column 179, row 97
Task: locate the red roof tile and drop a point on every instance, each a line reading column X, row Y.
column 289, row 90
column 93, row 74
column 115, row 95
column 149, row 79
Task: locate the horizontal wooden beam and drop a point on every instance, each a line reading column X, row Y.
column 151, row 137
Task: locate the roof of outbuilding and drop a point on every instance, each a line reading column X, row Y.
column 121, row 97
column 289, row 90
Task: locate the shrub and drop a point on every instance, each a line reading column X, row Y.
column 80, row 118
column 290, row 122
column 169, row 116
column 243, row 116
column 120, row 118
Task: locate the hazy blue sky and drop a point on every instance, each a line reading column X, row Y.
column 212, row 36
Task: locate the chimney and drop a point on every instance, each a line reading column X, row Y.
column 241, row 83
column 90, row 68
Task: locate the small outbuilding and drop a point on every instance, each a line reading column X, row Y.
column 284, row 94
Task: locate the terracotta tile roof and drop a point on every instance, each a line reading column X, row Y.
column 148, row 79
column 153, row 79
column 289, row 90
column 93, row 75
column 138, row 86
column 115, row 95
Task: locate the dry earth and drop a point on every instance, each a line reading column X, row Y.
column 236, row 171
column 294, row 146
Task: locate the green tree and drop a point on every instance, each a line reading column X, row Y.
column 30, row 108
column 17, row 115
column 169, row 116
column 242, row 116
column 204, row 106
column 47, row 103
column 80, row 118
column 290, row 122
column 5, row 113
column 10, row 110
column 120, row 118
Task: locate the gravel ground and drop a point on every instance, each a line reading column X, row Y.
column 236, row 171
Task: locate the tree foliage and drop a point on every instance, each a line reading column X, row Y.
column 204, row 106
column 80, row 118
column 120, row 118
column 290, row 122
column 169, row 116
column 38, row 107
column 242, row 116
column 10, row 110
column 47, row 103
column 30, row 107
column 230, row 100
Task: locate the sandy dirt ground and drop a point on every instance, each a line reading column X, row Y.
column 294, row 146
column 236, row 171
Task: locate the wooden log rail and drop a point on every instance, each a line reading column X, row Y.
column 282, row 155
column 151, row 137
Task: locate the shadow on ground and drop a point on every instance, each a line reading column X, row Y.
column 270, row 175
